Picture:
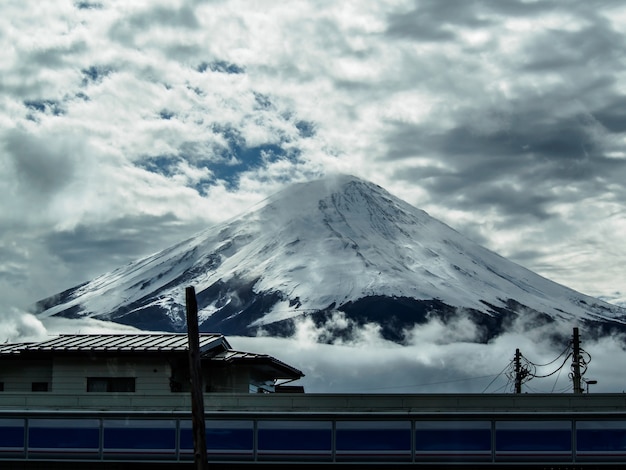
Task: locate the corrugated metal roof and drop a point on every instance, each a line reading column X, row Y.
column 12, row 348
column 141, row 342
column 230, row 356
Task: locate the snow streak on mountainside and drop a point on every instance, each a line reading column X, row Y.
column 339, row 243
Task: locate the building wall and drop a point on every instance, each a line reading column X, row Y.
column 19, row 375
column 67, row 375
column 227, row 380
column 70, row 374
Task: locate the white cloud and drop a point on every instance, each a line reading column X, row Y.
column 436, row 358
column 19, row 326
column 125, row 128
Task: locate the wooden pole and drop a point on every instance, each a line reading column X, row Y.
column 197, row 397
column 518, row 372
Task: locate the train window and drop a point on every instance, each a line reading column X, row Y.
column 72, row 435
column 224, row 438
column 453, row 436
column 110, row 384
column 11, row 434
column 601, row 436
column 538, row 436
column 307, row 440
column 373, row 439
column 220, row 434
column 139, row 434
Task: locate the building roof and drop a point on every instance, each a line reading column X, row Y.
column 276, row 368
column 11, row 348
column 213, row 348
column 118, row 343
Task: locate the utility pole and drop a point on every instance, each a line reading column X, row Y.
column 576, row 377
column 518, row 372
column 197, row 398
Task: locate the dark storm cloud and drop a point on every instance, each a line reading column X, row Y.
column 555, row 70
column 613, row 116
column 559, row 130
column 41, row 166
column 535, row 150
column 433, row 20
column 11, row 270
column 560, row 49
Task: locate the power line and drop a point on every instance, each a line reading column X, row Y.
column 554, row 360
column 554, row 371
column 525, row 370
column 557, row 380
column 431, row 383
column 496, row 377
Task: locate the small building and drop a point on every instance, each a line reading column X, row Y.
column 142, row 364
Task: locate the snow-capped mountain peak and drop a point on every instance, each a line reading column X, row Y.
column 316, row 247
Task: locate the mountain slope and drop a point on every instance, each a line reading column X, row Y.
column 339, row 243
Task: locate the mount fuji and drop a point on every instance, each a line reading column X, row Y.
column 335, row 246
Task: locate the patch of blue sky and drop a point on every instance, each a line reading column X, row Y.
column 220, row 66
column 82, row 96
column 169, row 166
column 306, row 129
column 165, row 165
column 262, row 101
column 88, row 5
column 225, row 162
column 245, row 159
column 95, row 73
column 53, row 107
column 225, row 167
column 166, row 114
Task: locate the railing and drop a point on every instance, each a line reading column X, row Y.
column 369, row 403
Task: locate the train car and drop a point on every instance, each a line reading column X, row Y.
column 497, row 439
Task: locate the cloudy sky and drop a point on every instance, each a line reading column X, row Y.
column 128, row 126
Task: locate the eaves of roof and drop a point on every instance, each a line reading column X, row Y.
column 238, row 357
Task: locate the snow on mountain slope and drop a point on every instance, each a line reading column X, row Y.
column 314, row 247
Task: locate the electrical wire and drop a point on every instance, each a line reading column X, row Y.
column 430, row 383
column 522, row 372
column 565, row 389
column 554, row 371
column 557, row 380
column 501, row 388
column 496, row 377
column 554, row 360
